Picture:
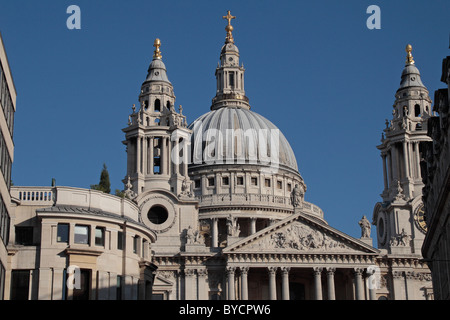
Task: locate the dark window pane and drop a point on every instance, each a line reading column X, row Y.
column 20, row 281
column 63, row 232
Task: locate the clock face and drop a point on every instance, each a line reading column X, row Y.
column 420, row 218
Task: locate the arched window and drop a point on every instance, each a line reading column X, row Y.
column 417, row 110
column 157, row 105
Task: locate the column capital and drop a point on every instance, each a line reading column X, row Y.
column 285, row 270
column 244, row 270
column 189, row 272
column 272, row 270
column 230, row 270
column 317, row 271
column 358, row 271
column 202, row 272
column 331, row 270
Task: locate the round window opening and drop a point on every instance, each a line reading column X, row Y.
column 158, row 214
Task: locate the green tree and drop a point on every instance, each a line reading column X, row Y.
column 104, row 184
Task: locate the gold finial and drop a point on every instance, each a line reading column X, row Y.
column 157, row 53
column 229, row 27
column 409, row 57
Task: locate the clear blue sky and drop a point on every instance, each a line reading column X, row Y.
column 313, row 68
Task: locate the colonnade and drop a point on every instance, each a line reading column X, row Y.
column 317, row 272
column 145, row 155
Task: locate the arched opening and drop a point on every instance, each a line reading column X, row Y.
column 417, row 110
column 157, row 105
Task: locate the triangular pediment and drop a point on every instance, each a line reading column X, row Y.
column 300, row 233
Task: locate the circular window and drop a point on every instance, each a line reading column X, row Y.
column 158, row 214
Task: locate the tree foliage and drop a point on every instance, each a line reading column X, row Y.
column 104, row 184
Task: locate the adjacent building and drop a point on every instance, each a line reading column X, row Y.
column 8, row 107
column 436, row 168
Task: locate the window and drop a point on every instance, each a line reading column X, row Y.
column 2, row 280
column 417, row 110
column 240, row 181
column 267, row 182
column 99, row 236
column 157, row 105
column 254, row 181
column 81, row 234
column 20, row 284
column 157, row 214
column 24, row 236
column 279, row 185
column 119, row 288
column 136, row 244
column 289, row 187
column 197, row 183
column 231, row 77
column 120, row 240
column 63, row 233
column 211, row 182
column 225, row 181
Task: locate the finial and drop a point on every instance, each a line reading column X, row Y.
column 229, row 27
column 157, row 53
column 409, row 57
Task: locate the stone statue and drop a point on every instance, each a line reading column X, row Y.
column 365, row 227
column 297, row 196
column 193, row 237
column 129, row 193
column 233, row 227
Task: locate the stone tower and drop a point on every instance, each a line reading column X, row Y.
column 157, row 140
column 156, row 135
column 399, row 218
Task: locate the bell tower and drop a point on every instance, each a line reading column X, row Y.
column 157, row 137
column 229, row 75
column 399, row 218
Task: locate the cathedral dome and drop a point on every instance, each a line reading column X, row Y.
column 238, row 135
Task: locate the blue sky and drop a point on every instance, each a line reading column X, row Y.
column 313, row 68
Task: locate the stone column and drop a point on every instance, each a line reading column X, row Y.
column 144, row 155
column 405, row 158
column 189, row 284
column 416, row 147
column 386, row 186
column 317, row 283
column 359, row 288
column 272, row 282
column 389, row 167
column 138, row 154
column 244, row 283
column 252, row 225
column 285, row 283
column 202, row 284
column 163, row 156
column 330, row 283
column 176, row 151
column 230, row 274
column 215, row 233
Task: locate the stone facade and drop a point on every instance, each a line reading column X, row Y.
column 217, row 210
column 400, row 232
column 8, row 107
column 436, row 167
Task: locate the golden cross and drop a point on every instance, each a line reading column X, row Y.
column 229, row 17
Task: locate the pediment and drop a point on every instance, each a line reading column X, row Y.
column 300, row 233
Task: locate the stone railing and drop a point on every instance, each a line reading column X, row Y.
column 33, row 195
column 256, row 200
column 92, row 200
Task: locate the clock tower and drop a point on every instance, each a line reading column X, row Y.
column 400, row 218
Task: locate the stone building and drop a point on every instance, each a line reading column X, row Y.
column 436, row 167
column 399, row 217
column 217, row 209
column 8, row 106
